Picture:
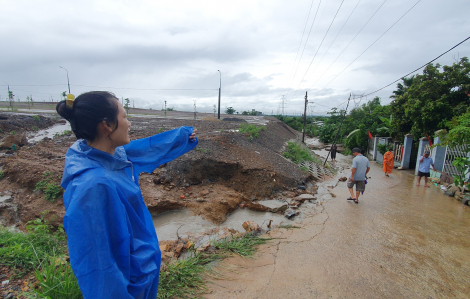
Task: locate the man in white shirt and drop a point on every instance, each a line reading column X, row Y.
column 360, row 168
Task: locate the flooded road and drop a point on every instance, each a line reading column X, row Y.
column 400, row 241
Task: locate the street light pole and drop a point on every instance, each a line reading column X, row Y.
column 68, row 83
column 220, row 88
column 9, row 99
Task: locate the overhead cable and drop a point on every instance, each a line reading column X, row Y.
column 372, row 43
column 337, row 11
column 351, row 41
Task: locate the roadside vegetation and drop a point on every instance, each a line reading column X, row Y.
column 298, row 153
column 436, row 99
column 252, row 130
column 42, row 250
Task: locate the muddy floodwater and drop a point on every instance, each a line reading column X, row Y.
column 400, row 241
column 49, row 132
column 166, row 224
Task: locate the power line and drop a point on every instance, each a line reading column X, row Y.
column 373, row 43
column 306, row 41
column 318, row 49
column 339, row 32
column 366, row 95
column 418, row 68
column 351, row 41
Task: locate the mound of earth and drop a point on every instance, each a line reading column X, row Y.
column 224, row 170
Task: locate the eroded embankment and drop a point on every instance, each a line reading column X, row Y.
column 225, row 170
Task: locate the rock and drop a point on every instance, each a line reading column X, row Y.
column 257, row 207
column 165, row 248
column 178, row 249
column 242, row 205
column 466, row 201
column 18, row 140
column 182, row 197
column 200, row 199
column 282, row 209
column 452, row 190
column 303, row 197
column 250, row 226
column 5, row 282
column 289, row 213
column 301, row 187
column 343, row 179
column 204, row 192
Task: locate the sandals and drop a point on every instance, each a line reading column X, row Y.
column 355, row 199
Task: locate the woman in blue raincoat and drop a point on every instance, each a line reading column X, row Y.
column 112, row 242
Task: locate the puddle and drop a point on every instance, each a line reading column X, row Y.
column 49, row 132
column 166, row 224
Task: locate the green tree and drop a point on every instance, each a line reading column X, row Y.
column 432, row 100
column 127, row 105
column 230, row 110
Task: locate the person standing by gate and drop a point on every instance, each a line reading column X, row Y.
column 388, row 162
column 425, row 164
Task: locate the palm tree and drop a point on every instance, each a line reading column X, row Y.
column 401, row 88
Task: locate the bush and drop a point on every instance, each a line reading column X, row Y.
column 298, row 153
column 252, row 130
column 50, row 190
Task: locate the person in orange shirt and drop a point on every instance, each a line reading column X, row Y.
column 388, row 162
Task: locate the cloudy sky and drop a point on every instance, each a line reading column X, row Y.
column 266, row 50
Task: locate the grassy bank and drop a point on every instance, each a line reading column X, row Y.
column 43, row 251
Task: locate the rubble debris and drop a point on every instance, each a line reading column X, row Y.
column 250, row 226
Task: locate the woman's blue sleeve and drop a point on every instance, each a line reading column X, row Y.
column 146, row 154
column 97, row 228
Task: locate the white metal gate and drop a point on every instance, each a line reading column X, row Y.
column 451, row 154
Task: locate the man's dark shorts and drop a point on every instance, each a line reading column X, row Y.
column 360, row 185
column 425, row 174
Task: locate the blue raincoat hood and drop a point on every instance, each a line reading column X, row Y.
column 112, row 242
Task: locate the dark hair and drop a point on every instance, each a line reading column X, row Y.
column 89, row 109
column 356, row 150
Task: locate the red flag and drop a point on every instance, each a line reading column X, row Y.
column 429, row 139
column 370, row 135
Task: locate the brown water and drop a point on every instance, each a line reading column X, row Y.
column 400, row 241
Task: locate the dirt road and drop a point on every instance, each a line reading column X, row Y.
column 400, row 241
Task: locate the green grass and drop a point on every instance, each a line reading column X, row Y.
column 35, row 128
column 66, row 132
column 36, row 117
column 244, row 246
column 26, row 251
column 1, row 174
column 298, row 153
column 203, row 150
column 56, row 280
column 51, row 190
column 184, row 278
column 44, row 250
column 252, row 130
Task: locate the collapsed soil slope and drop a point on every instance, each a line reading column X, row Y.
column 224, row 170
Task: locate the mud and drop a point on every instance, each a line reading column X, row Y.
column 400, row 241
column 225, row 170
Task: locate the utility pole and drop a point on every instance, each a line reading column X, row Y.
column 334, row 141
column 305, row 117
column 220, row 90
column 282, row 105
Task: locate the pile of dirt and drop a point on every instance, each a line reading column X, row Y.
column 224, row 170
